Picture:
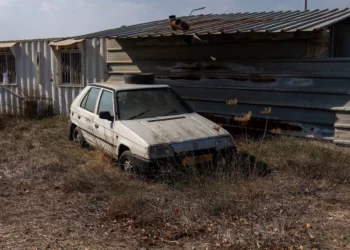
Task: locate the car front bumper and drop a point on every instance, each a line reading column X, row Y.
column 145, row 165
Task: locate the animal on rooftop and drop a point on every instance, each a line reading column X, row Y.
column 178, row 24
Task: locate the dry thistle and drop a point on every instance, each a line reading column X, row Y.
column 244, row 118
column 266, row 111
column 276, row 131
column 232, row 102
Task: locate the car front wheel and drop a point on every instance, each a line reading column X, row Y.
column 127, row 163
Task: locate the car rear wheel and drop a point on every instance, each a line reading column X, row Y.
column 78, row 137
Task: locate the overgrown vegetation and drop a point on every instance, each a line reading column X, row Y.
column 232, row 206
column 304, row 158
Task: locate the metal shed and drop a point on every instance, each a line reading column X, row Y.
column 296, row 62
column 45, row 75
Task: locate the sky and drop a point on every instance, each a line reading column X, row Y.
column 27, row 19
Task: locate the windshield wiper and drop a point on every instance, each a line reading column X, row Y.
column 141, row 114
column 172, row 111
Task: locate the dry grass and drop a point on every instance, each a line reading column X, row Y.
column 305, row 158
column 83, row 196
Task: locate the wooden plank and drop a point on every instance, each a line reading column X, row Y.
column 342, row 136
column 113, row 44
column 342, row 120
column 118, row 56
column 123, row 68
column 12, row 92
column 115, row 49
column 115, row 78
column 119, row 62
column 236, row 51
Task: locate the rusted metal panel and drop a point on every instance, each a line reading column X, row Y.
column 336, row 86
column 326, row 68
column 291, row 114
column 37, row 77
column 314, row 101
column 309, row 104
column 277, row 127
column 319, row 48
column 305, row 94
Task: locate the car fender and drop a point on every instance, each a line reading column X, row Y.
column 136, row 149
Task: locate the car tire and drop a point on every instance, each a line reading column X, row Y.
column 127, row 163
column 78, row 137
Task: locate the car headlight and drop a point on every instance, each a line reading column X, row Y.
column 224, row 142
column 163, row 151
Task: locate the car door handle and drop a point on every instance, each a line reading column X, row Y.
column 96, row 126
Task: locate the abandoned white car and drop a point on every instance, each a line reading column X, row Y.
column 143, row 124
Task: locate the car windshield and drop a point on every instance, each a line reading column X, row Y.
column 148, row 103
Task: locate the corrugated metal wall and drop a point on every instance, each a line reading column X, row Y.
column 308, row 97
column 37, row 76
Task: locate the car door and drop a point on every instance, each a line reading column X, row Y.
column 86, row 113
column 104, row 125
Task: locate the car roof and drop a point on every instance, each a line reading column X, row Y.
column 127, row 86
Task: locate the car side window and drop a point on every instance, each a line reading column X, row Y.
column 89, row 101
column 83, row 103
column 106, row 103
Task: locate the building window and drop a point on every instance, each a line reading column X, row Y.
column 7, row 69
column 71, row 68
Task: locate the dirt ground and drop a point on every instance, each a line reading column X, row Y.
column 54, row 195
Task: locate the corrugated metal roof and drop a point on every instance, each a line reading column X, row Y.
column 282, row 21
column 36, row 40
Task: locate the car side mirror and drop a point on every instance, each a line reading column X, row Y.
column 105, row 115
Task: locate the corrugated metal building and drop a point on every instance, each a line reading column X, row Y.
column 45, row 75
column 296, row 62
